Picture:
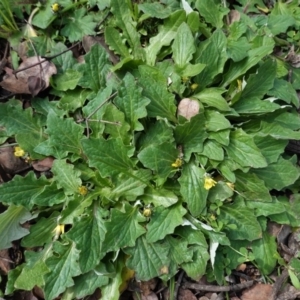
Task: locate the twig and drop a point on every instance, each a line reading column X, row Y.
column 178, row 282
column 87, row 119
column 46, row 58
column 217, row 288
column 278, row 283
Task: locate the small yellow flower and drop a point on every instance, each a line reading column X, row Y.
column 177, row 163
column 194, row 86
column 230, row 185
column 55, row 7
column 82, row 190
column 19, row 152
column 58, row 230
column 147, row 212
column 209, row 183
column 212, row 217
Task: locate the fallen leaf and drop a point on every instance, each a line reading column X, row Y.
column 188, row 108
column 31, row 80
column 186, row 295
column 258, row 292
column 43, row 165
column 10, row 163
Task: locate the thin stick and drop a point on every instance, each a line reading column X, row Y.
column 217, row 288
column 46, row 58
column 178, row 282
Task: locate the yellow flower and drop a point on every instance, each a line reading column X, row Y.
column 58, row 230
column 230, row 185
column 177, row 163
column 82, row 190
column 209, row 183
column 55, row 7
column 194, row 86
column 147, row 212
column 19, row 152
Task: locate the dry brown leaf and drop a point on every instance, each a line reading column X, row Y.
column 10, row 163
column 43, row 165
column 188, row 108
column 151, row 296
column 234, row 16
column 5, row 261
column 258, row 292
column 186, row 295
column 29, row 81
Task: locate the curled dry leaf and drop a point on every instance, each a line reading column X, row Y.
column 43, row 165
column 31, row 80
column 234, row 16
column 293, row 58
column 188, row 108
column 258, row 292
column 9, row 161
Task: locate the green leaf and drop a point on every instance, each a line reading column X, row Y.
column 22, row 190
column 78, row 24
column 213, row 151
column 66, row 81
column 149, row 260
column 280, row 23
column 162, row 102
column 124, row 21
column 197, row 267
column 247, row 226
column 278, row 175
column 251, row 187
column 32, row 274
column 222, row 137
column 291, row 213
column 238, row 50
column 266, row 208
column 115, row 42
column 211, row 52
column 211, row 12
column 95, row 69
column 127, row 187
column 155, row 10
column 278, row 132
column 220, row 192
column 10, row 221
column 87, row 283
column 131, row 102
column 123, row 229
column 73, row 99
column 41, row 232
column 183, row 46
column 159, row 158
column 22, row 123
column 62, row 268
column 50, row 196
column 243, row 150
column 270, row 147
column 108, row 156
column 284, row 90
column 158, row 133
column 64, row 134
column 159, row 197
column 216, row 121
column 212, row 97
column 255, row 55
column 88, row 234
column 44, row 17
column 265, row 251
column 166, row 34
column 115, row 124
column 258, row 84
column 66, row 177
column 191, row 135
column 164, row 221
column 192, row 188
